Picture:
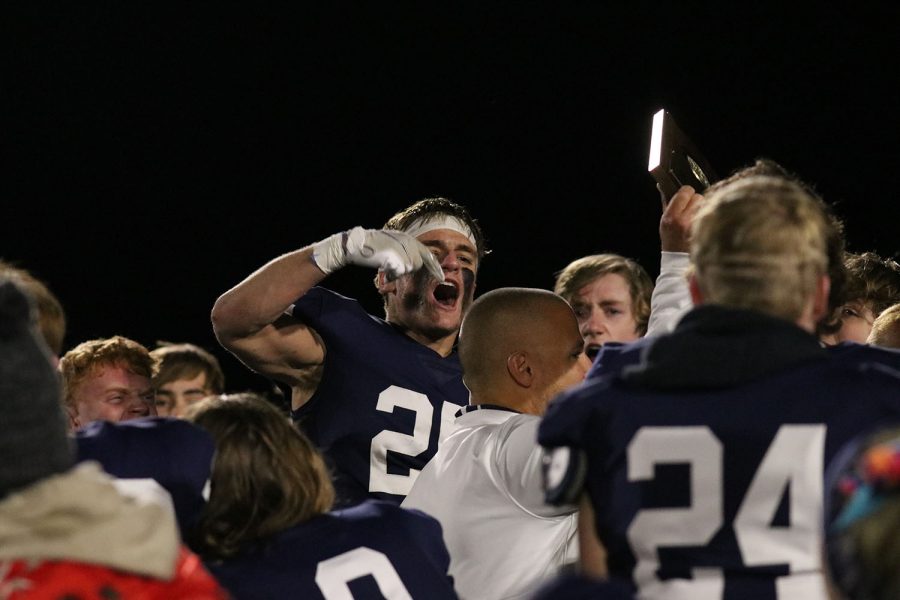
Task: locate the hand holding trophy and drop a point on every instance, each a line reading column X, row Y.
column 674, row 159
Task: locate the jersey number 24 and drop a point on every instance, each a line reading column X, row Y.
column 794, row 457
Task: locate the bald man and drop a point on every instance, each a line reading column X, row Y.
column 518, row 348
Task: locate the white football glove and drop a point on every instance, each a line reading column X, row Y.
column 394, row 252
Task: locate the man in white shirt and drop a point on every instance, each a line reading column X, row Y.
column 518, row 347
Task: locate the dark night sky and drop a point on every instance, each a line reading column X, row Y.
column 159, row 156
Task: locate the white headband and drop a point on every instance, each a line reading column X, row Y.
column 430, row 223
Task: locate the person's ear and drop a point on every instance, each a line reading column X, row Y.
column 519, row 368
column 696, row 292
column 820, row 299
column 72, row 417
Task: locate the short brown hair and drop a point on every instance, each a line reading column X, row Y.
column 186, row 361
column 872, row 279
column 51, row 316
column 433, row 207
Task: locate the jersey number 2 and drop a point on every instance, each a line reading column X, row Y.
column 411, row 445
column 795, row 458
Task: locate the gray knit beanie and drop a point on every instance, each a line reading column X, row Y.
column 34, row 442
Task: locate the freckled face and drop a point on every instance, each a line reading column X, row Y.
column 113, row 394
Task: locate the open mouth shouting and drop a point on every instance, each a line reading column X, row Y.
column 446, row 294
column 591, row 350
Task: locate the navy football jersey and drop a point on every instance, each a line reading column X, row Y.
column 615, row 356
column 372, row 550
column 717, row 491
column 851, row 351
column 174, row 452
column 383, row 403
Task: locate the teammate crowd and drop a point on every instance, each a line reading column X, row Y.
column 731, row 431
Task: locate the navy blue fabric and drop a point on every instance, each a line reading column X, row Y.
column 852, row 351
column 366, row 356
column 174, row 452
column 783, row 381
column 286, row 566
column 615, row 357
column 572, row 586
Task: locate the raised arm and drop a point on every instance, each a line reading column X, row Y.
column 671, row 298
column 250, row 319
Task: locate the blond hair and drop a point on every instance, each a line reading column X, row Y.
column 886, row 328
column 586, row 269
column 760, row 243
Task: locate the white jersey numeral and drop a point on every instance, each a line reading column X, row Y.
column 333, row 575
column 794, row 458
column 411, row 445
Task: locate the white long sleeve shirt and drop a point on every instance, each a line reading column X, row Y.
column 671, row 296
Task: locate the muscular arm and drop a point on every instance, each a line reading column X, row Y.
column 249, row 321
